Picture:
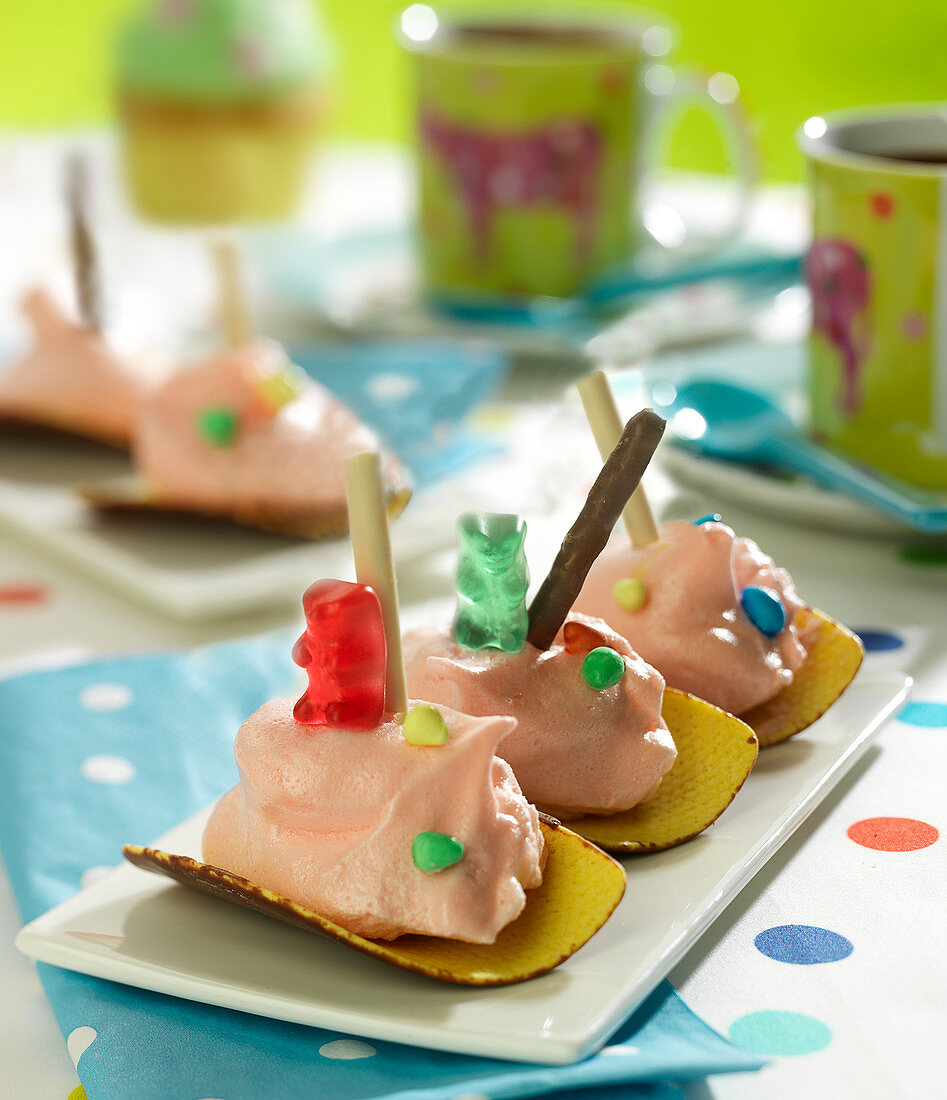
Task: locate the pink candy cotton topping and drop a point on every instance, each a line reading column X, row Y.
column 691, row 626
column 72, row 379
column 327, row 818
column 291, row 458
column 574, row 750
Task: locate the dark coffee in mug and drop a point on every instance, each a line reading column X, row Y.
column 529, row 34
column 920, row 156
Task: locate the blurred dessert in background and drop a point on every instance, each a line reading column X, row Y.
column 73, row 379
column 219, row 101
column 246, row 434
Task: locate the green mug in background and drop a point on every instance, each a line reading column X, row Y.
column 533, row 128
column 877, row 271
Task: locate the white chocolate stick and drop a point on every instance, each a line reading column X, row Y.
column 606, row 424
column 232, row 302
column 371, row 548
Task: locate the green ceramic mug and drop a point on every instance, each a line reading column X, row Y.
column 533, row 129
column 877, row 270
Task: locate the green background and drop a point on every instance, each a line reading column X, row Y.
column 793, row 59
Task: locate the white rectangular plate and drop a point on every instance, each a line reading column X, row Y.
column 189, row 569
column 141, row 929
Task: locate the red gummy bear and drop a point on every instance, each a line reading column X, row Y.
column 343, row 651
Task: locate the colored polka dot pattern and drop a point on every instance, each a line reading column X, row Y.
column 392, row 387
column 780, row 1033
column 347, row 1050
column 924, row 713
column 882, row 204
column 105, row 697
column 775, row 1032
column 113, row 771
column 913, row 326
column 879, row 641
column 893, row 834
column 22, row 594
column 78, row 1042
column 802, row 944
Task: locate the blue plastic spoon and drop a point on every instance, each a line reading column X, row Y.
column 722, row 420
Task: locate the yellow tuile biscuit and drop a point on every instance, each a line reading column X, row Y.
column 835, row 655
column 131, row 495
column 580, row 889
column 715, row 754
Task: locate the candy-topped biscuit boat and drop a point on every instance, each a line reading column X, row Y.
column 74, row 380
column 388, row 823
column 244, row 435
column 713, row 613
column 598, row 740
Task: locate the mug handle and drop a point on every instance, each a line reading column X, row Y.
column 718, row 95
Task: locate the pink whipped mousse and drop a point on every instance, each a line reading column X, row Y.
column 574, row 750
column 72, row 378
column 291, row 459
column 327, row 818
column 692, row 626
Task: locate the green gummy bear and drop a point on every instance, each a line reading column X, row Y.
column 492, row 579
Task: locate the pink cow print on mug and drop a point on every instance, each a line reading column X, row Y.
column 840, row 283
column 557, row 164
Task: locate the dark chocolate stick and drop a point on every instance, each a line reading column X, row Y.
column 587, row 536
column 84, row 265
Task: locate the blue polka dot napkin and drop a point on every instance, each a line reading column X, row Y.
column 414, row 393
column 96, row 753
